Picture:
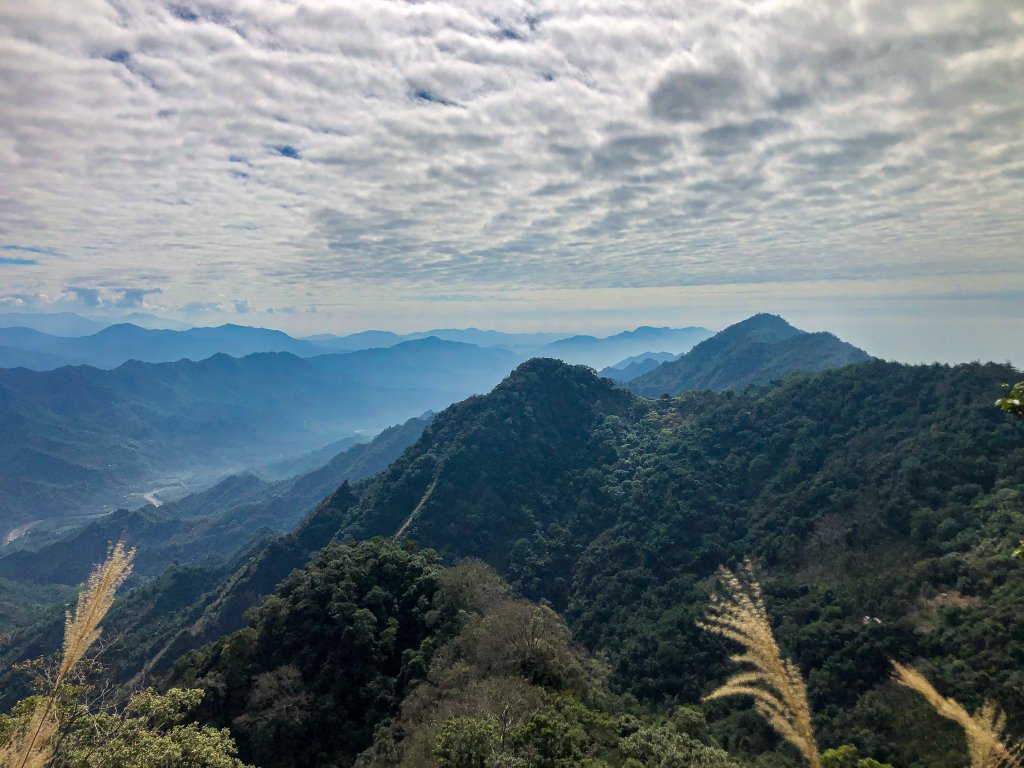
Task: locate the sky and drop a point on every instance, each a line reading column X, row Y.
column 571, row 166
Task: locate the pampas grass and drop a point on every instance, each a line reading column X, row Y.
column 32, row 747
column 984, row 729
column 737, row 612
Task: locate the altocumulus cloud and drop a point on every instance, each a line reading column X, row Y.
column 259, row 147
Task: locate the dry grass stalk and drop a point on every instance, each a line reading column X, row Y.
column 83, row 628
column 737, row 612
column 31, row 747
column 984, row 729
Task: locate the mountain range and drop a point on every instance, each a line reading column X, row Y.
column 73, row 324
column 79, row 440
column 83, row 441
column 881, row 501
column 116, row 344
column 755, row 351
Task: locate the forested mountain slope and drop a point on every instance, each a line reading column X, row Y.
column 880, row 490
column 376, row 655
column 757, row 350
column 882, row 502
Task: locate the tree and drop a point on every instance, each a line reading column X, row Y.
column 57, row 728
column 466, row 742
column 1013, row 403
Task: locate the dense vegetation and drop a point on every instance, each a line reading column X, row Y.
column 881, row 501
column 375, row 654
column 757, row 350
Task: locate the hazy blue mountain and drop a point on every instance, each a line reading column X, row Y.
column 120, row 343
column 55, row 323
column 659, row 357
column 483, row 338
column 602, row 352
column 147, row 320
column 72, row 324
column 355, row 341
column 31, row 340
column 755, row 351
column 297, row 465
column 211, row 526
column 81, row 440
column 631, row 367
column 35, row 361
column 525, row 343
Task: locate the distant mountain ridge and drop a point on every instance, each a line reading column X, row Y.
column 757, row 350
column 603, row 352
column 119, row 343
column 77, row 438
column 631, row 367
column 73, row 324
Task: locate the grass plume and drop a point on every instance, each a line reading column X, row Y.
column 984, row 729
column 31, row 747
column 737, row 612
column 82, row 629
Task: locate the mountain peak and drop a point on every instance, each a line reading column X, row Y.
column 757, row 350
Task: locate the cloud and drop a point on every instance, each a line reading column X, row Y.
column 133, row 297
column 690, row 96
column 300, row 153
column 90, row 297
column 107, row 297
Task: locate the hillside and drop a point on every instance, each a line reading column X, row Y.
column 377, row 656
column 79, row 440
column 757, row 350
column 883, row 491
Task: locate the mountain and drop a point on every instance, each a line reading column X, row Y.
column 755, row 351
column 71, row 324
column 602, row 352
column 356, row 341
column 54, row 323
column 631, row 367
column 117, row 344
column 659, row 357
column 11, row 357
column 524, row 343
column 122, row 342
column 375, row 655
column 153, row 322
column 78, row 440
column 881, row 501
column 211, row 526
